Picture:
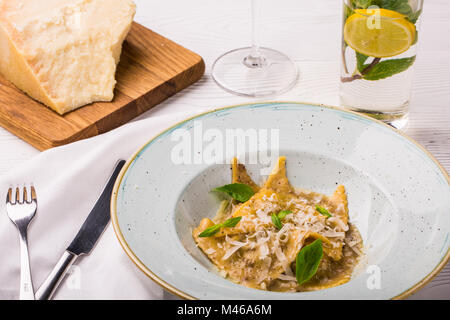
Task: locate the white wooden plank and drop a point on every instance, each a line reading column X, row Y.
column 309, row 31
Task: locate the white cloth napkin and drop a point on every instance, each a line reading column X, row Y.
column 68, row 181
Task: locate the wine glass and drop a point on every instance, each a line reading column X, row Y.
column 255, row 71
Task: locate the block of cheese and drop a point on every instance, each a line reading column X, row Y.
column 63, row 53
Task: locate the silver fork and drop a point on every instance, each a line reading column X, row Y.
column 21, row 212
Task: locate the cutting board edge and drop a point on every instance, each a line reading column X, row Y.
column 32, row 139
column 93, row 129
column 29, row 133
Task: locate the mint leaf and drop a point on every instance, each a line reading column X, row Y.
column 388, row 68
column 276, row 221
column 230, row 223
column 401, row 6
column 283, row 214
column 360, row 61
column 413, row 17
column 238, row 191
column 416, row 36
column 323, row 211
column 307, row 261
column 361, row 4
column 405, row 9
column 395, row 5
column 347, row 12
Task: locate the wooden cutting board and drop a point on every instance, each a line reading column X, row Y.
column 151, row 69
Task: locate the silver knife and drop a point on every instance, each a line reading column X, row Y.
column 85, row 240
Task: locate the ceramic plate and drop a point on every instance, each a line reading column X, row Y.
column 399, row 196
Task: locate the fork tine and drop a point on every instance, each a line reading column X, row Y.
column 25, row 195
column 17, row 195
column 33, row 193
column 9, row 196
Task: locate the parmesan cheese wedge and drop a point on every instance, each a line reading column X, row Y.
column 63, row 53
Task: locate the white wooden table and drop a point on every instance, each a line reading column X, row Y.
column 309, row 32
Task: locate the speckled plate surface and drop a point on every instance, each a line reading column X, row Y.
column 399, row 198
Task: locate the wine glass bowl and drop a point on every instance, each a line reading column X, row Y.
column 255, row 71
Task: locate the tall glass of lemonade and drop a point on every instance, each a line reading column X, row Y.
column 379, row 42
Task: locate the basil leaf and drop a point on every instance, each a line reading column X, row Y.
column 323, row 211
column 283, row 214
column 238, row 191
column 232, row 222
column 208, row 232
column 360, row 61
column 388, row 68
column 276, row 221
column 308, row 260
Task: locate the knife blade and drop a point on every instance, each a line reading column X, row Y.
column 85, row 240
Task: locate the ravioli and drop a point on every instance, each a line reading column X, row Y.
column 257, row 254
column 239, row 175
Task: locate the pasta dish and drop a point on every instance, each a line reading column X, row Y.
column 280, row 238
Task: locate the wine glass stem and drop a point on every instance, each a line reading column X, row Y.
column 255, row 47
column 254, row 59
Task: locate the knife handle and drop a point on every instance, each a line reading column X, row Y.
column 49, row 286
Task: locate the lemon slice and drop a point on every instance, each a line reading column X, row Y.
column 385, row 36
